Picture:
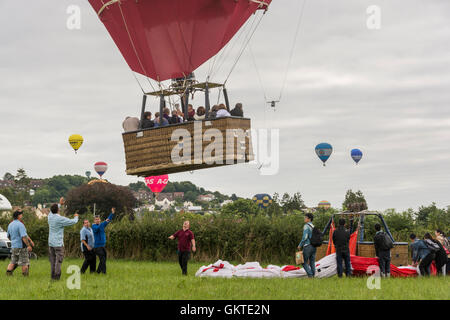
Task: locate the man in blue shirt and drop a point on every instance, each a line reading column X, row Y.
column 21, row 244
column 56, row 224
column 421, row 252
column 87, row 247
column 100, row 240
column 309, row 251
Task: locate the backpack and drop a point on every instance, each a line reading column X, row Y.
column 434, row 247
column 316, row 237
column 387, row 241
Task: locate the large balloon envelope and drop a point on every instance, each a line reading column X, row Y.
column 157, row 183
column 166, row 39
column 263, row 200
column 323, row 151
column 356, row 155
column 100, row 167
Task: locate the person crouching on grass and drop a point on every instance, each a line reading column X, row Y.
column 21, row 245
column 185, row 240
column 100, row 240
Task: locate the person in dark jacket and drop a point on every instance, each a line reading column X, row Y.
column 160, row 122
column 237, row 111
column 213, row 112
column 147, row 121
column 174, row 118
column 100, row 240
column 440, row 255
column 382, row 252
column 166, row 114
column 341, row 238
column 421, row 252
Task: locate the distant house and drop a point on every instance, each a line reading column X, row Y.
column 164, row 195
column 178, row 195
column 6, row 183
column 194, row 209
column 149, row 207
column 206, row 197
column 41, row 212
column 187, row 204
column 143, row 196
column 226, row 202
column 164, row 203
column 36, row 183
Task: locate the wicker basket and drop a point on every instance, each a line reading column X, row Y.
column 154, row 151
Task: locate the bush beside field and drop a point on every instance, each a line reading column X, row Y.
column 250, row 238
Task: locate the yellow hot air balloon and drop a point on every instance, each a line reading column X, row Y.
column 76, row 141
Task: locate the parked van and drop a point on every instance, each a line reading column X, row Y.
column 5, row 245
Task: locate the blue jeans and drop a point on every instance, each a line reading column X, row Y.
column 348, row 267
column 309, row 256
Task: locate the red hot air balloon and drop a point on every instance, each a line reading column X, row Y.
column 157, row 183
column 167, row 39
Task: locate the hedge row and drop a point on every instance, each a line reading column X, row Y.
column 254, row 238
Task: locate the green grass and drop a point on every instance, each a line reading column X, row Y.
column 163, row 280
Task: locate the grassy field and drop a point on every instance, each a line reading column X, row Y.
column 151, row 280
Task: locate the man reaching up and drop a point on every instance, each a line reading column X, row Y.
column 100, row 240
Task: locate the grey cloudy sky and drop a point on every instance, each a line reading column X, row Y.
column 385, row 91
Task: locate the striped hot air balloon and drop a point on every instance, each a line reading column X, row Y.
column 100, row 167
column 324, row 205
column 263, row 200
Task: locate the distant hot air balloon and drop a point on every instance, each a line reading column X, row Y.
column 324, row 205
column 356, row 155
column 88, row 174
column 76, row 141
column 323, row 151
column 100, row 167
column 263, row 200
column 157, row 183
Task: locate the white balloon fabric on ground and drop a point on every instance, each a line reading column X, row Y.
column 325, row 268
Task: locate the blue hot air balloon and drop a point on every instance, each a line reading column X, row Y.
column 323, row 151
column 356, row 155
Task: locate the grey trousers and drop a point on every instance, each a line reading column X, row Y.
column 56, row 257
